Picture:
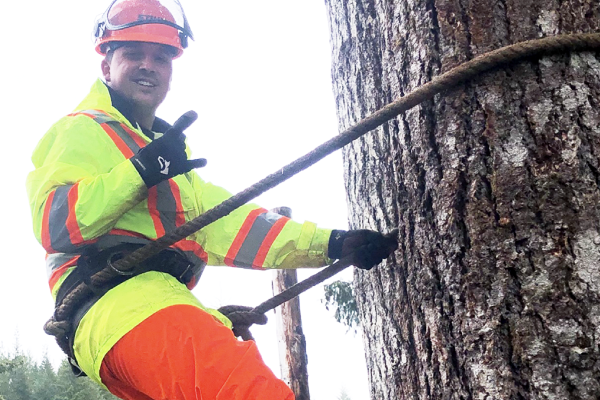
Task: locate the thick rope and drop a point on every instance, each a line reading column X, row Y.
column 439, row 84
column 243, row 317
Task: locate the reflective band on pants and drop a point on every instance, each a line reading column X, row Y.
column 183, row 353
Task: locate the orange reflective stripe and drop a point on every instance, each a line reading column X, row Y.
column 60, row 229
column 241, row 236
column 97, row 115
column 179, row 215
column 193, row 247
column 134, row 136
column 196, row 254
column 122, row 232
column 119, row 139
column 71, row 223
column 87, row 114
column 267, row 242
column 45, row 234
column 255, row 239
column 120, row 143
column 154, row 213
column 58, row 272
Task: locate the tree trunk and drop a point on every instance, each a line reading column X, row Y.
column 293, row 359
column 292, row 342
column 494, row 291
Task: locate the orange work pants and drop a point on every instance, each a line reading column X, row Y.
column 183, row 353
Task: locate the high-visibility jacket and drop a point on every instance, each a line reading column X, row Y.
column 85, row 191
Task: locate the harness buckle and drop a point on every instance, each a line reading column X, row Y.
column 110, row 260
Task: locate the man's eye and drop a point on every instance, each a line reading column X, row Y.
column 162, row 59
column 133, row 55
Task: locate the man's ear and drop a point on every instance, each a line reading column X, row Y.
column 105, row 66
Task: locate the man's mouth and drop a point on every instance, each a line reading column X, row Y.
column 144, row 82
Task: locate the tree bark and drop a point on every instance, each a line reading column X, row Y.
column 494, row 290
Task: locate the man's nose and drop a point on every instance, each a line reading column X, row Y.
column 147, row 63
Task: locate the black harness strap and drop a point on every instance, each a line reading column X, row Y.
column 169, row 261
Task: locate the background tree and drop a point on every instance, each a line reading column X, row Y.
column 344, row 396
column 44, row 381
column 493, row 293
column 339, row 295
column 24, row 379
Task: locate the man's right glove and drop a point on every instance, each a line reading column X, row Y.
column 368, row 248
column 165, row 157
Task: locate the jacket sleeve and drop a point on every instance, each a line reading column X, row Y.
column 252, row 237
column 81, row 185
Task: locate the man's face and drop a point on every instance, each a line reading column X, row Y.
column 141, row 72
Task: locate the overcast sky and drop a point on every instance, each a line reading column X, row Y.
column 258, row 74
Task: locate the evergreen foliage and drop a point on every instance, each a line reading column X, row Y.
column 340, row 295
column 21, row 378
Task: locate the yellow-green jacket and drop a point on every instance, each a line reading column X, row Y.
column 84, row 191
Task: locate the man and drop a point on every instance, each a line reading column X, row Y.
column 111, row 177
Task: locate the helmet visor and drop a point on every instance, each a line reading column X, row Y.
column 123, row 14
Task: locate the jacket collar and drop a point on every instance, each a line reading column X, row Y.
column 101, row 97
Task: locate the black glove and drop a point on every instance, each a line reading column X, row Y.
column 367, row 247
column 165, row 157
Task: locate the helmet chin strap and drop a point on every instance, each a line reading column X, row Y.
column 183, row 38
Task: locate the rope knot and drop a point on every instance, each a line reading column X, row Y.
column 57, row 328
column 242, row 318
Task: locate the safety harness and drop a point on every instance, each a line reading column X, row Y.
column 169, row 261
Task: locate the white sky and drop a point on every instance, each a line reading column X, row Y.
column 258, row 74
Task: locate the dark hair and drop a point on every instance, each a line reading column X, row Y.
column 109, row 49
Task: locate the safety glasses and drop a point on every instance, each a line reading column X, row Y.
column 122, row 14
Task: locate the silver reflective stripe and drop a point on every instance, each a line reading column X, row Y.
column 60, row 239
column 126, row 137
column 257, row 234
column 99, row 116
column 103, row 118
column 166, row 206
column 56, row 260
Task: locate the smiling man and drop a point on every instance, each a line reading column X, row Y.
column 141, row 73
column 111, row 177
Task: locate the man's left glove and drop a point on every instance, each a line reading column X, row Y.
column 165, row 157
column 369, row 248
